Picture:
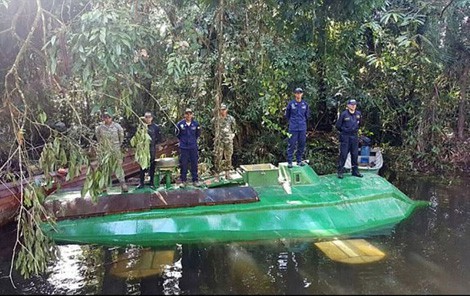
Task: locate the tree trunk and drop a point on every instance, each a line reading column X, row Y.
column 219, row 77
column 325, row 119
column 462, row 104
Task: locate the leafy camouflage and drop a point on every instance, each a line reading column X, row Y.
column 110, row 138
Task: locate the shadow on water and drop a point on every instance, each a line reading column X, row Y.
column 425, row 254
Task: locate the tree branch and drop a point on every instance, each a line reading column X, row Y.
column 18, row 126
column 445, row 8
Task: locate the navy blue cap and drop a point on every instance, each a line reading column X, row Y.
column 352, row 102
column 298, row 90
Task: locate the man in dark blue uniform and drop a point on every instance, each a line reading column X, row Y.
column 155, row 137
column 348, row 125
column 297, row 113
column 188, row 131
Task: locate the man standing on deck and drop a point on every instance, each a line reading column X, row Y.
column 348, row 125
column 110, row 136
column 188, row 132
column 223, row 146
column 155, row 137
column 297, row 113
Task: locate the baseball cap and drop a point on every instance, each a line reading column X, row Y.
column 352, row 102
column 105, row 114
column 223, row 106
column 148, row 114
column 298, row 90
column 188, row 110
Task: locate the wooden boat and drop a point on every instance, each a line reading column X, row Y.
column 372, row 162
column 10, row 196
column 9, row 201
column 259, row 202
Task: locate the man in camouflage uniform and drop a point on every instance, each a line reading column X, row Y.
column 110, row 136
column 223, row 146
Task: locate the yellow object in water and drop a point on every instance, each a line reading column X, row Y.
column 143, row 264
column 353, row 251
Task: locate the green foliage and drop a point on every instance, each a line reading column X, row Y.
column 275, row 127
column 141, row 142
column 37, row 250
column 110, row 51
column 265, row 148
column 62, row 152
column 99, row 176
column 177, row 66
column 322, row 152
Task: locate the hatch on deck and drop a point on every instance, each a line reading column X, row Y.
column 263, row 174
column 297, row 175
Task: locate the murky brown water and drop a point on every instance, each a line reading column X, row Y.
column 426, row 254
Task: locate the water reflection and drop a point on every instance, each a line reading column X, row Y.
column 67, row 274
column 141, row 263
column 426, row 254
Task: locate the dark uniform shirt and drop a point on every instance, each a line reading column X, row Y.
column 154, row 133
column 188, row 134
column 297, row 113
column 348, row 124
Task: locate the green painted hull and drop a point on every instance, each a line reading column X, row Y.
column 327, row 207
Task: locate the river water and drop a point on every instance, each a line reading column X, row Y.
column 425, row 254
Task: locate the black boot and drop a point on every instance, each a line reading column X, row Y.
column 357, row 174
column 340, row 173
column 152, row 184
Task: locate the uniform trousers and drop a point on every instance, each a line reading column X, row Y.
column 189, row 157
column 298, row 138
column 151, row 169
column 349, row 143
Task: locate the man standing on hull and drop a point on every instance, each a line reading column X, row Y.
column 223, row 146
column 155, row 137
column 348, row 125
column 188, row 131
column 297, row 113
column 110, row 136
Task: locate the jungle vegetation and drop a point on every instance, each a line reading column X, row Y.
column 63, row 62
